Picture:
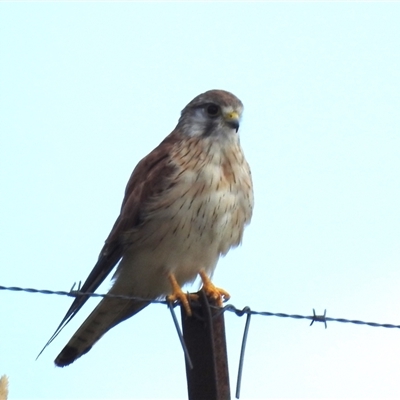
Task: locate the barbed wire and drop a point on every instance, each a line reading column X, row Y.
column 220, row 310
column 229, row 307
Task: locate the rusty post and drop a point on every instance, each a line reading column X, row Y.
column 204, row 335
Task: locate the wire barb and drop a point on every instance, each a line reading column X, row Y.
column 72, row 291
column 319, row 318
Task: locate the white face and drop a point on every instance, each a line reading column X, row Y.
column 212, row 119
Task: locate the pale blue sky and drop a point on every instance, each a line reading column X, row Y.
column 88, row 89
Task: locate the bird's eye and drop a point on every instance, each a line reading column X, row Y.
column 212, row 110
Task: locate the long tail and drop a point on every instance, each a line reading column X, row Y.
column 108, row 313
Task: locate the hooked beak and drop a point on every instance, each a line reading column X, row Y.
column 232, row 119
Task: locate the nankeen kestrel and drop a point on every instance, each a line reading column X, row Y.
column 185, row 205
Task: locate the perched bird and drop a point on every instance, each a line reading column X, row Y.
column 185, row 205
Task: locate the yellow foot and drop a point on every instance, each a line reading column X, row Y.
column 179, row 294
column 217, row 294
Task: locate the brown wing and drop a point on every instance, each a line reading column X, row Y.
column 149, row 179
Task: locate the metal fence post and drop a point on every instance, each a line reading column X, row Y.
column 204, row 335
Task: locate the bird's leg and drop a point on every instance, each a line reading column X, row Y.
column 179, row 294
column 217, row 294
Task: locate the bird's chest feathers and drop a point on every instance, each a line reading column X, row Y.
column 211, row 195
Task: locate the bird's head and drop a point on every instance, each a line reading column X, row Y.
column 213, row 113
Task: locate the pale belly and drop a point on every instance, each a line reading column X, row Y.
column 188, row 235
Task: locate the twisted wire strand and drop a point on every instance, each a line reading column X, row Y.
column 229, row 307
